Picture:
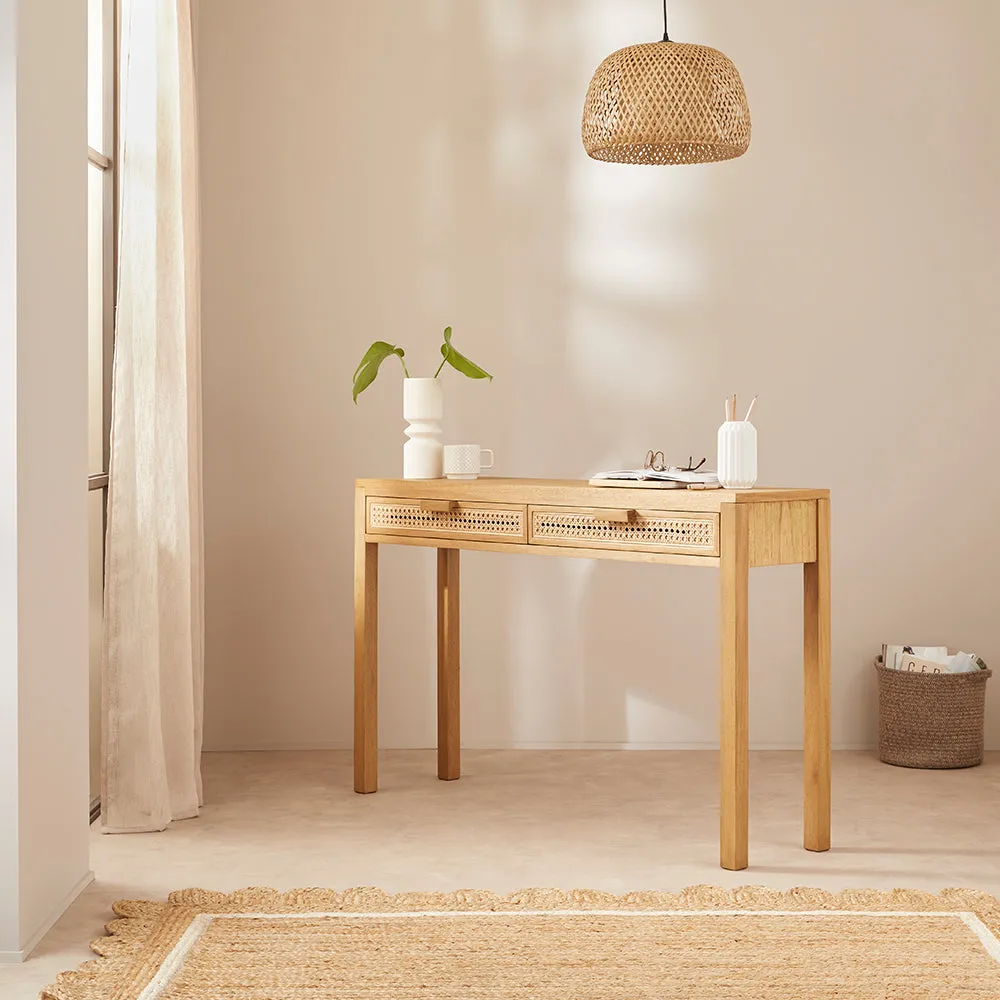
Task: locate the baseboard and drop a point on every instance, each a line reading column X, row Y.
column 17, row 957
column 528, row 745
column 279, row 747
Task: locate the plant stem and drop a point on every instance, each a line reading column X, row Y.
column 406, row 374
column 440, row 366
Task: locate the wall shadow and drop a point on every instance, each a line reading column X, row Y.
column 381, row 169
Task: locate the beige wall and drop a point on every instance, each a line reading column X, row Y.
column 378, row 169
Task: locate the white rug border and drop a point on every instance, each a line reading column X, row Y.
column 174, row 962
column 985, row 935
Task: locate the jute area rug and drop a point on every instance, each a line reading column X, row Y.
column 362, row 944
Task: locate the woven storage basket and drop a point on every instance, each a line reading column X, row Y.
column 930, row 720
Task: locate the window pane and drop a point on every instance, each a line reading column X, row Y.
column 96, row 76
column 95, row 324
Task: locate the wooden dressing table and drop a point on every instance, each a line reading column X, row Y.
column 733, row 530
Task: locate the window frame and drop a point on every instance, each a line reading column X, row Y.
column 106, row 160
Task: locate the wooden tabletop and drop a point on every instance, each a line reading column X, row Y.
column 576, row 493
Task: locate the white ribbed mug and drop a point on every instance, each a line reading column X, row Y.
column 466, row 461
column 737, row 466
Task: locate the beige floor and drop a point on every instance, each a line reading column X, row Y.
column 605, row 820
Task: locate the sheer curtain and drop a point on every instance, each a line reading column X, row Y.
column 154, row 621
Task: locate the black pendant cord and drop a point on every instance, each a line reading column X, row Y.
column 666, row 37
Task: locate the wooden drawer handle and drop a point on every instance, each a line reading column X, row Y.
column 440, row 506
column 619, row 516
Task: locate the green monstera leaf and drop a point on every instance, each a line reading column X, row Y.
column 459, row 361
column 368, row 369
column 365, row 373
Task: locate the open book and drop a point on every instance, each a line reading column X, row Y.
column 669, row 478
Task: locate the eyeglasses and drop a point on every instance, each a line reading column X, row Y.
column 657, row 462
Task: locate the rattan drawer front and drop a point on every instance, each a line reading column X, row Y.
column 488, row 522
column 649, row 531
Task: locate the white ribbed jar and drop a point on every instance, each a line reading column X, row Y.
column 737, row 455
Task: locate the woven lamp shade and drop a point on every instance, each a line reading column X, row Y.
column 666, row 103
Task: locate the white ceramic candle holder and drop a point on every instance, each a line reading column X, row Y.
column 423, row 408
column 737, row 466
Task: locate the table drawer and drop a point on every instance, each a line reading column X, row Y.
column 488, row 522
column 643, row 531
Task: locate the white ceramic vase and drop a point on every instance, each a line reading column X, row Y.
column 423, row 408
column 737, row 466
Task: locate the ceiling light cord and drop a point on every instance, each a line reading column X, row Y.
column 666, row 37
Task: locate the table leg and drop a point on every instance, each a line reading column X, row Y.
column 449, row 741
column 734, row 738
column 816, row 576
column 365, row 661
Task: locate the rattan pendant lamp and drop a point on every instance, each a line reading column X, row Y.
column 666, row 102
